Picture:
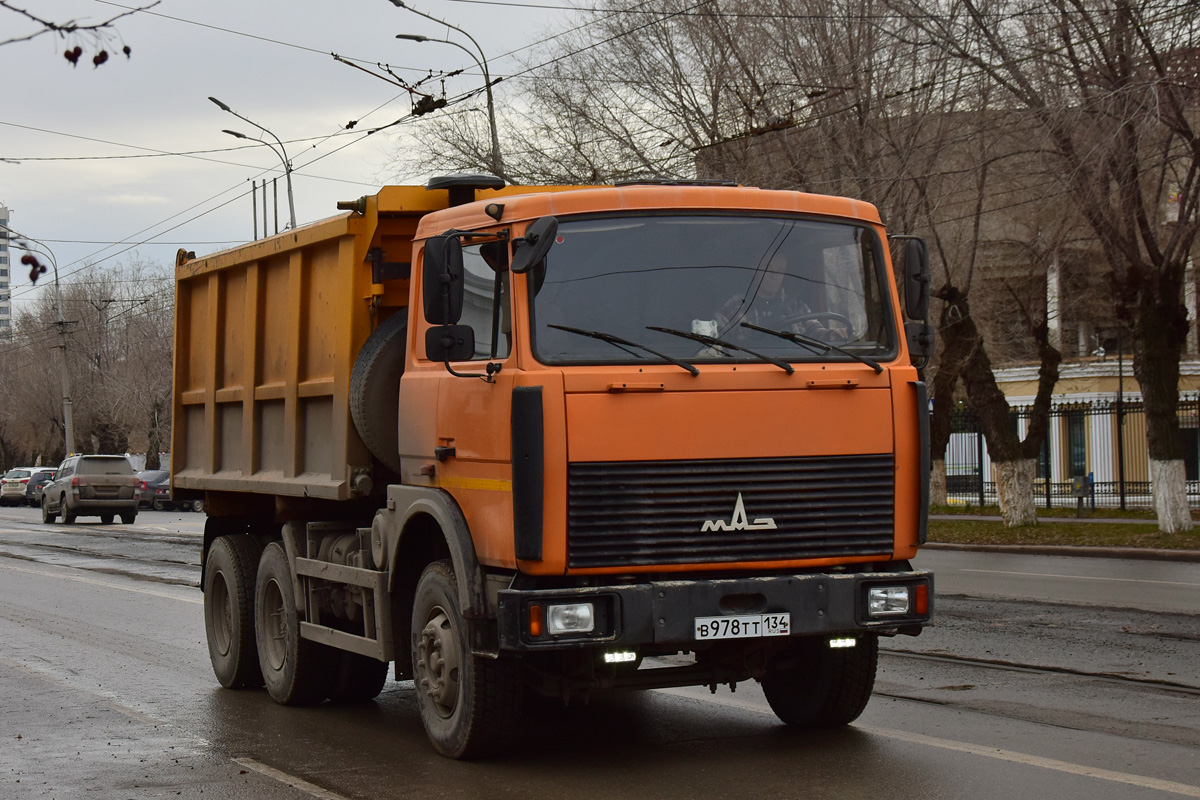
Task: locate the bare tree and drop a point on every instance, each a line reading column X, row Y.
column 1112, row 87
column 119, row 359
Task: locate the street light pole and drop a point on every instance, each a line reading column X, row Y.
column 281, row 152
column 497, row 159
column 68, row 415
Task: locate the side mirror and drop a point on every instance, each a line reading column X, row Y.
column 916, row 279
column 442, row 280
column 450, row 343
column 535, row 244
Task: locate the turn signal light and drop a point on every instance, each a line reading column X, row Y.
column 922, row 601
column 535, row 621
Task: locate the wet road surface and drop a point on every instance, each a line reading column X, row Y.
column 109, row 694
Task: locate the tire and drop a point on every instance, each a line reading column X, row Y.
column 827, row 688
column 197, row 505
column 107, row 519
column 375, row 389
column 357, row 678
column 67, row 514
column 129, row 518
column 158, row 505
column 295, row 671
column 469, row 705
column 47, row 517
column 229, row 611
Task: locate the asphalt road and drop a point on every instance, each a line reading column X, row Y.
column 1044, row 677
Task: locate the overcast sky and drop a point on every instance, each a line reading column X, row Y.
column 269, row 61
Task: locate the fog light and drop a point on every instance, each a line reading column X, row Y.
column 620, row 658
column 839, row 643
column 887, row 601
column 575, row 618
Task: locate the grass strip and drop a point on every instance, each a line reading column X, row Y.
column 1073, row 534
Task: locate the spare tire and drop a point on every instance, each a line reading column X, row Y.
column 375, row 389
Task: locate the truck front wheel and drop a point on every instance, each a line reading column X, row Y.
column 229, row 611
column 823, row 687
column 295, row 670
column 468, row 703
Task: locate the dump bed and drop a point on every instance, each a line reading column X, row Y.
column 265, row 340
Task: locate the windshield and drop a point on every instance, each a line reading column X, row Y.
column 101, row 465
column 700, row 278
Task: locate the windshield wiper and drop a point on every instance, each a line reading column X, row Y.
column 713, row 341
column 624, row 344
column 815, row 345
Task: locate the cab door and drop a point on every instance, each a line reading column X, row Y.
column 474, row 408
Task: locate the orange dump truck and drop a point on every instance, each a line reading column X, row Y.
column 558, row 440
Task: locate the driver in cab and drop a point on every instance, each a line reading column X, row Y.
column 768, row 303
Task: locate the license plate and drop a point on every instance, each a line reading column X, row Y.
column 749, row 626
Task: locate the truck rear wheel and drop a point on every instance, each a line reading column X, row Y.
column 827, row 688
column 375, row 389
column 295, row 670
column 229, row 611
column 468, row 704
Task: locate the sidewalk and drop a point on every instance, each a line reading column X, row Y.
column 1132, row 553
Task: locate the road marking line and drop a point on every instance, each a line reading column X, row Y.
column 290, row 780
column 60, row 683
column 1140, row 781
column 1078, row 577
column 105, row 584
column 1183, row 789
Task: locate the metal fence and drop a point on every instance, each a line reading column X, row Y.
column 1103, row 442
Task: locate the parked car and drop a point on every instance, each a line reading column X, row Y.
column 155, row 492
column 92, row 486
column 154, row 485
column 37, row 482
column 12, row 486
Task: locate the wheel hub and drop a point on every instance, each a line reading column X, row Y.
column 438, row 661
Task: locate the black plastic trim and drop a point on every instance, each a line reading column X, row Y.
column 926, row 466
column 528, row 470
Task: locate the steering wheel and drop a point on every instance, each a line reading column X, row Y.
column 832, row 316
column 827, row 333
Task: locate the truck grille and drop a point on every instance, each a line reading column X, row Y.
column 687, row 512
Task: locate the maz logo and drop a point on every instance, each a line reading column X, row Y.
column 739, row 521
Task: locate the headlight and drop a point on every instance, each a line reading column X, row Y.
column 887, row 601
column 573, row 618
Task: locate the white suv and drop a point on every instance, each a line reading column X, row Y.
column 12, row 486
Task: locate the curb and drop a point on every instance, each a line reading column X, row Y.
column 1130, row 553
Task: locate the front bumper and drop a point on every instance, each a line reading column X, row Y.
column 664, row 612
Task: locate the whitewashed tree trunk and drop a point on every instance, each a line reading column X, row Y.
column 937, row 483
column 1169, row 482
column 1014, row 485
